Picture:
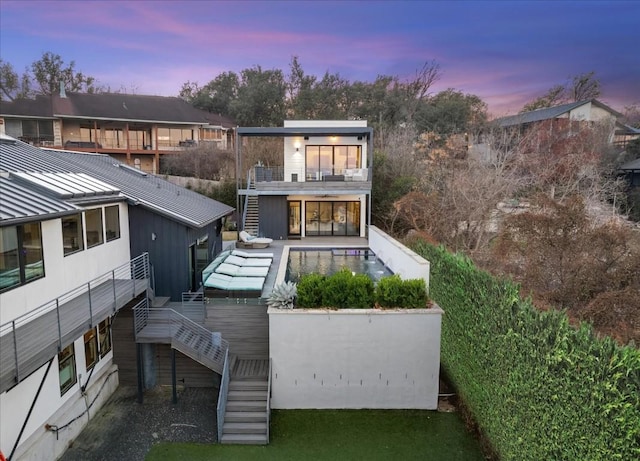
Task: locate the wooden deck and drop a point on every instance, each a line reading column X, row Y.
column 250, row 369
column 39, row 337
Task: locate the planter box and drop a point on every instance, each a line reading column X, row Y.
column 355, row 358
column 229, row 235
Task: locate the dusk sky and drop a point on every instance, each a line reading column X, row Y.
column 506, row 52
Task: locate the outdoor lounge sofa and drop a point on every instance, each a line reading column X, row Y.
column 249, row 241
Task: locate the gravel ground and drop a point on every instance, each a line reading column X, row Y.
column 123, row 429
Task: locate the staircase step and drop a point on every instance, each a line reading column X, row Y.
column 252, row 405
column 160, row 301
column 245, row 428
column 244, row 439
column 245, row 416
column 246, row 395
column 248, row 385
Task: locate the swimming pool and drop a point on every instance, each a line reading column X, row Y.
column 328, row 261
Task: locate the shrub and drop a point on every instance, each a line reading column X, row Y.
column 408, row 294
column 336, row 289
column 537, row 387
column 310, row 289
column 360, row 292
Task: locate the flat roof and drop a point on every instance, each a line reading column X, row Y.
column 305, row 131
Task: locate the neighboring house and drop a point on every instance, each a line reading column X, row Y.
column 559, row 118
column 631, row 170
column 321, row 188
column 135, row 129
column 82, row 237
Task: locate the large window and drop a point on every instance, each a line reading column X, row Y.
column 21, row 257
column 172, row 137
column 112, row 222
column 72, row 238
column 104, row 336
column 330, row 160
column 93, row 220
column 332, row 218
column 90, row 348
column 37, row 132
column 67, row 368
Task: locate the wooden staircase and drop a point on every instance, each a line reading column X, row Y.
column 246, row 417
column 252, row 222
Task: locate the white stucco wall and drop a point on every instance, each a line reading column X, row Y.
column 51, row 408
column 397, row 257
column 65, row 273
column 355, row 358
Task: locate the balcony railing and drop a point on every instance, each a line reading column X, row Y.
column 30, row 340
column 276, row 173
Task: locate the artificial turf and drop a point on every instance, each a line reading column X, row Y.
column 344, row 435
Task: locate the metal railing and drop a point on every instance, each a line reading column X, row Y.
column 222, row 395
column 190, row 338
column 27, row 342
column 246, row 200
column 269, row 401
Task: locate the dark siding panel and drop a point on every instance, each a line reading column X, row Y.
column 273, row 216
column 245, row 326
column 124, row 347
column 188, row 372
column 169, row 252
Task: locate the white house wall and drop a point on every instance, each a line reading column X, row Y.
column 36, row 442
column 591, row 113
column 355, row 358
column 65, row 273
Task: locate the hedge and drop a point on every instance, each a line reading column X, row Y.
column 537, row 387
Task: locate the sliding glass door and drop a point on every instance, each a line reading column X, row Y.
column 332, row 218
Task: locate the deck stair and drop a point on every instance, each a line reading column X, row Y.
column 246, row 420
column 252, row 222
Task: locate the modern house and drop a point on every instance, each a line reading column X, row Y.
column 322, row 186
column 134, row 129
column 86, row 242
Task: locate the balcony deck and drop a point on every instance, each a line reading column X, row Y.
column 39, row 335
column 308, row 188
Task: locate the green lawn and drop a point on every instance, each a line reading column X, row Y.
column 344, row 435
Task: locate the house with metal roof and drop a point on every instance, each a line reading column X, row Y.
column 87, row 243
column 320, row 188
column 135, row 129
column 561, row 118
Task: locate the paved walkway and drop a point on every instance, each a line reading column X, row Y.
column 125, row 430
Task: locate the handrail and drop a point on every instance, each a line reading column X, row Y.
column 29, row 340
column 246, row 200
column 222, row 395
column 269, row 400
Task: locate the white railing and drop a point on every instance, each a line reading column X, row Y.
column 222, row 396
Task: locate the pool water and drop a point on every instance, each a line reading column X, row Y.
column 327, row 262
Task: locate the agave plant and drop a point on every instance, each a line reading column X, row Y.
column 283, row 296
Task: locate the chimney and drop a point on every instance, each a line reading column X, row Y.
column 63, row 94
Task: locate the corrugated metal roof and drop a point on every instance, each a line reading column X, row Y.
column 69, row 185
column 632, row 165
column 21, row 203
column 549, row 113
column 151, row 192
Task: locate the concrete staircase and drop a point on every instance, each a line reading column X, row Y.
column 246, row 419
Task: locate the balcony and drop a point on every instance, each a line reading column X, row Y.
column 264, row 180
column 29, row 341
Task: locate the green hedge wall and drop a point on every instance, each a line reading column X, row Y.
column 538, row 388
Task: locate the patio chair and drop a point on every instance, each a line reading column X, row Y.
column 249, row 241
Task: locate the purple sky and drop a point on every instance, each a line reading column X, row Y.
column 505, row 52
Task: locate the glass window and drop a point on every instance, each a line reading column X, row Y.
column 313, row 162
column 330, row 160
column 104, row 336
column 112, row 222
column 32, row 251
column 72, row 234
column 21, row 258
column 13, row 128
column 9, row 258
column 67, row 368
column 93, row 220
column 90, row 348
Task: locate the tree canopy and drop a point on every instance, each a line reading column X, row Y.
column 43, row 76
column 579, row 88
